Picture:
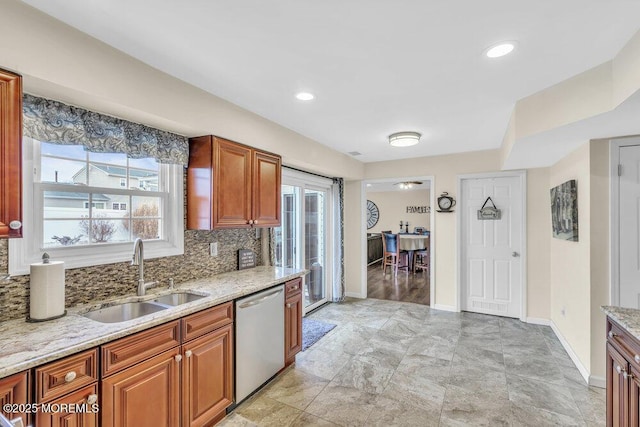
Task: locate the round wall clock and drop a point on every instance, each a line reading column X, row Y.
column 373, row 214
column 445, row 202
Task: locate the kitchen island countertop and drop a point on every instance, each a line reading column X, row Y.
column 24, row 345
column 628, row 318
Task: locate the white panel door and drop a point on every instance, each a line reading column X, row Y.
column 629, row 238
column 491, row 266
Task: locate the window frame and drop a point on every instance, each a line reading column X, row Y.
column 28, row 250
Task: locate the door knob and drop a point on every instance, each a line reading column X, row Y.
column 515, row 254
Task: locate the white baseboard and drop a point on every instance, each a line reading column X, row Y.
column 354, row 295
column 574, row 357
column 597, row 381
column 538, row 321
column 444, row 307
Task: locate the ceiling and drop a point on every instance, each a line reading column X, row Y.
column 376, row 67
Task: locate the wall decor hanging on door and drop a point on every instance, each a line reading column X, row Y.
column 564, row 211
column 489, row 212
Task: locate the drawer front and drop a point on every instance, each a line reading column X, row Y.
column 128, row 351
column 64, row 376
column 293, row 287
column 624, row 342
column 74, row 414
column 206, row 321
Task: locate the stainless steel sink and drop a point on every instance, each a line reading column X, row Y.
column 177, row 298
column 123, row 312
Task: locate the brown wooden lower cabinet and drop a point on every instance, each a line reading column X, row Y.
column 292, row 320
column 623, row 377
column 145, row 395
column 74, row 409
column 207, row 377
column 15, row 389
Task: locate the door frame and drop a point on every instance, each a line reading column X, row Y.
column 522, row 174
column 363, row 231
column 614, row 214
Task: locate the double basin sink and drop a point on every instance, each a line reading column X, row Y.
column 132, row 310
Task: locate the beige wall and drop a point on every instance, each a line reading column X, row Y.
column 393, row 209
column 538, row 239
column 354, row 232
column 570, row 261
column 60, row 62
column 600, row 255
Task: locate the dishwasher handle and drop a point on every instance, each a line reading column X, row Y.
column 260, row 299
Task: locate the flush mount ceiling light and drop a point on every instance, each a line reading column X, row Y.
column 500, row 49
column 408, row 184
column 304, row 96
column 404, row 139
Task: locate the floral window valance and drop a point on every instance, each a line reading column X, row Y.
column 58, row 123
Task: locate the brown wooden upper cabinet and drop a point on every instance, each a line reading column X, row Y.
column 231, row 185
column 10, row 154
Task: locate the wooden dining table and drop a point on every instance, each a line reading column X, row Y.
column 411, row 243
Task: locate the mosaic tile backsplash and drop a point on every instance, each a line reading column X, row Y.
column 113, row 280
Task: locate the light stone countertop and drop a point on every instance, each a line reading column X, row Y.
column 628, row 318
column 25, row 345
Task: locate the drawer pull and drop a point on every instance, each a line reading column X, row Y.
column 611, row 334
column 188, row 353
column 70, row 376
column 178, row 357
column 93, row 398
column 637, row 358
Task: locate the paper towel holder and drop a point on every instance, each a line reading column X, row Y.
column 46, row 260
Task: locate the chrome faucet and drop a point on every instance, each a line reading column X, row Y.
column 138, row 259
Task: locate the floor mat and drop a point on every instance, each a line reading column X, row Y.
column 313, row 330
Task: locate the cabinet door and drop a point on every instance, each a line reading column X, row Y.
column 267, row 171
column 232, row 184
column 10, row 155
column 145, row 395
column 292, row 327
column 15, row 389
column 617, row 389
column 634, row 396
column 207, row 377
column 84, row 414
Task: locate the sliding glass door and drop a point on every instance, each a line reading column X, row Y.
column 304, row 239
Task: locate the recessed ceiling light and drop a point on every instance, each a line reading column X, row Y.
column 500, row 49
column 304, row 96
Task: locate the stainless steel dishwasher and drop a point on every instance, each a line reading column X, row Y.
column 259, row 339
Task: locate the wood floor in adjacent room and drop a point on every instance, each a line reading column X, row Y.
column 406, row 287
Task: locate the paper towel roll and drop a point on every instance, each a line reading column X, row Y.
column 46, row 290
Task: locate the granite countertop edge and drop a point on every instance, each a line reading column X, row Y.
column 628, row 318
column 25, row 345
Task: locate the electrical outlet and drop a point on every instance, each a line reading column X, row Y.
column 213, row 249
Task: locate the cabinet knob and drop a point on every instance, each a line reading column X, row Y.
column 289, row 305
column 178, row 357
column 611, row 334
column 250, row 221
column 188, row 353
column 255, row 221
column 70, row 376
column 93, row 398
column 15, row 224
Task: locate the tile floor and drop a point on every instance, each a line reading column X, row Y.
column 402, row 364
